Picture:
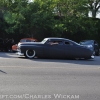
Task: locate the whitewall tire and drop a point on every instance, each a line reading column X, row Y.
column 30, row 53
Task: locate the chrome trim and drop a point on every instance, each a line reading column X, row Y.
column 20, row 54
column 92, row 57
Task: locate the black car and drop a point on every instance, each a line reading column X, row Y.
column 54, row 48
column 91, row 44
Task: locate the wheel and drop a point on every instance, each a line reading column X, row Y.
column 91, row 57
column 97, row 52
column 94, row 52
column 30, row 53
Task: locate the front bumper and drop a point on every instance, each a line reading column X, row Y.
column 20, row 54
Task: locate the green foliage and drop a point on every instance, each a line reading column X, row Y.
column 47, row 17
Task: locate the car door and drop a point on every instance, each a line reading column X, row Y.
column 71, row 50
column 68, row 49
column 55, row 50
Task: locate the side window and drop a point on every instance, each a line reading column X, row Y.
column 60, row 42
column 68, row 43
column 55, row 42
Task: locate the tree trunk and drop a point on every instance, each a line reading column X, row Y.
column 93, row 13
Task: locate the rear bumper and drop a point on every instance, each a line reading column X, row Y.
column 92, row 57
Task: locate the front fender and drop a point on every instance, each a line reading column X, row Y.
column 38, row 49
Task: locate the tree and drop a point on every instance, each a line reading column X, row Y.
column 44, row 18
column 12, row 14
column 94, row 6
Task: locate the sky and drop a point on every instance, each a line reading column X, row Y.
column 98, row 14
column 30, row 0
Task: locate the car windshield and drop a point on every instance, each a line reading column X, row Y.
column 86, row 42
column 44, row 40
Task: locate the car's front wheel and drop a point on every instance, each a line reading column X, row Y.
column 30, row 53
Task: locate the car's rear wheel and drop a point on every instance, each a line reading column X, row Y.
column 94, row 52
column 87, row 58
column 97, row 52
column 91, row 57
column 30, row 53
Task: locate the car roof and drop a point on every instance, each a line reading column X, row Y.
column 56, row 38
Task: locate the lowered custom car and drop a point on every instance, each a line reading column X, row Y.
column 54, row 48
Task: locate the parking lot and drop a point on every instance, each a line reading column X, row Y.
column 48, row 79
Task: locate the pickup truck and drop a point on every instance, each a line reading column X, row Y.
column 5, row 45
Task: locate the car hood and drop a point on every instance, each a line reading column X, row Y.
column 29, row 43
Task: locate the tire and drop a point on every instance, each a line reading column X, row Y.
column 30, row 54
column 91, row 57
column 87, row 58
column 94, row 52
column 97, row 53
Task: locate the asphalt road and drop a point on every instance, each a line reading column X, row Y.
column 48, row 79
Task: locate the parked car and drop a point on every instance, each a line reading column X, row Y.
column 91, row 44
column 14, row 47
column 6, row 44
column 54, row 48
